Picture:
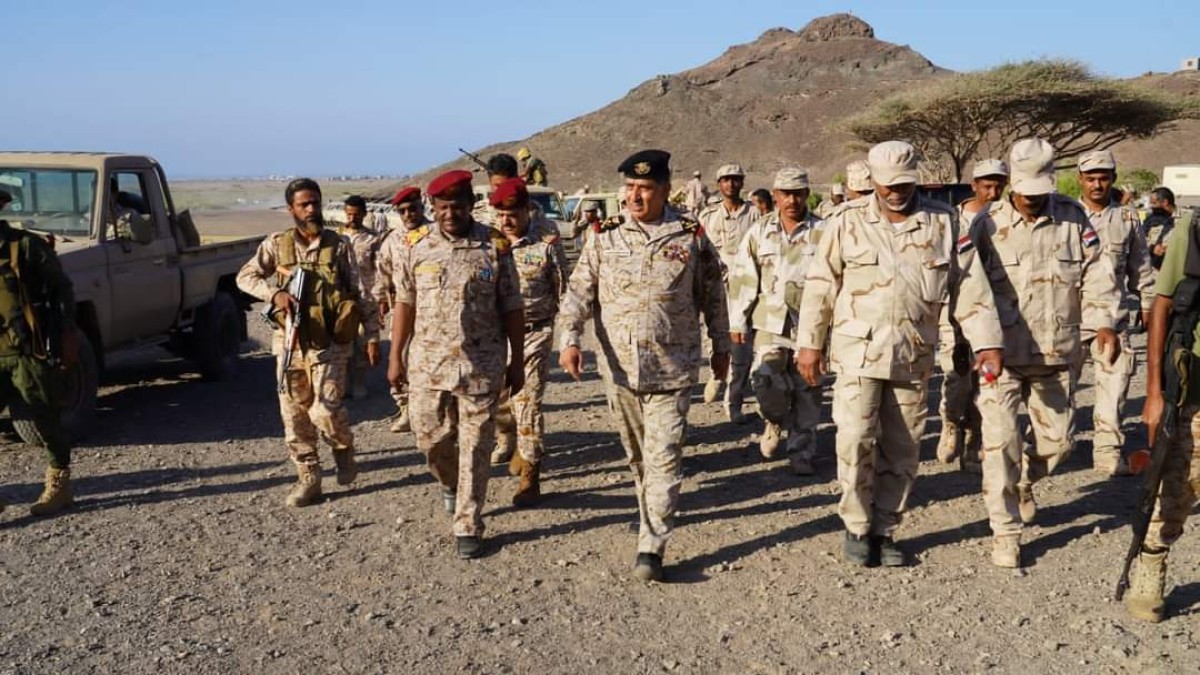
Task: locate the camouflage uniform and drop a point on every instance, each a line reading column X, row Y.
column 644, row 287
column 878, row 290
column 311, row 402
column 1050, row 281
column 365, row 244
column 391, row 249
column 461, row 290
column 765, row 287
column 726, row 230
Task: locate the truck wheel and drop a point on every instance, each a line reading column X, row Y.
column 79, row 399
column 217, row 338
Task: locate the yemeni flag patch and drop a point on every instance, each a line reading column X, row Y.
column 1090, row 238
column 965, row 244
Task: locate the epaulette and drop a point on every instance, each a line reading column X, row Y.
column 552, row 238
column 501, row 242
column 416, row 235
column 692, row 226
column 608, row 223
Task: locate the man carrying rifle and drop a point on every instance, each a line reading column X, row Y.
column 37, row 303
column 319, row 323
column 1170, row 413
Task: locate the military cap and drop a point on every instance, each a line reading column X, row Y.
column 591, row 206
column 838, row 189
column 989, row 167
column 1097, row 160
column 1031, row 162
column 695, row 174
column 731, row 170
column 406, row 194
column 652, row 164
column 791, row 178
column 449, row 184
column 893, row 163
column 858, row 176
column 511, row 194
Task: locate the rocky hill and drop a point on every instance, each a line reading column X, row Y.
column 770, row 103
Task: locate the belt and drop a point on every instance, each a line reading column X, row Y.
column 538, row 325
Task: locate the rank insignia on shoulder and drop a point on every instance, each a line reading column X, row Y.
column 416, row 235
column 692, row 226
column 965, row 244
column 1090, row 238
column 501, row 242
column 608, row 223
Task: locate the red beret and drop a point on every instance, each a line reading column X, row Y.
column 446, row 186
column 406, row 194
column 510, row 194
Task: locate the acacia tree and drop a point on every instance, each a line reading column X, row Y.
column 955, row 119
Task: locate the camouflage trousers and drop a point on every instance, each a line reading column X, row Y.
column 879, row 425
column 1180, row 482
column 1112, row 388
column 39, row 387
column 741, row 359
column 652, row 427
column 357, row 372
column 400, row 394
column 1048, row 394
column 311, row 402
column 957, row 399
column 455, row 432
column 521, row 416
column 784, row 398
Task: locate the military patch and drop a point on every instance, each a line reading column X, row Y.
column 532, row 258
column 677, row 252
column 965, row 244
column 416, row 235
column 428, row 268
column 501, row 242
column 1090, row 238
column 641, row 168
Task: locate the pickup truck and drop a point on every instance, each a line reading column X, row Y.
column 141, row 274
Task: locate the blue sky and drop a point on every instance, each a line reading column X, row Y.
column 218, row 88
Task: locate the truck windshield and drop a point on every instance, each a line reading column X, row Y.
column 50, row 200
column 550, row 205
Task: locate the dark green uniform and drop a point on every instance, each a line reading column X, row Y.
column 36, row 280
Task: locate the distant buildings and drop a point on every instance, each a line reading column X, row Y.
column 1192, row 63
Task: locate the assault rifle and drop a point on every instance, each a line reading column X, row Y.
column 474, row 158
column 1176, row 366
column 291, row 323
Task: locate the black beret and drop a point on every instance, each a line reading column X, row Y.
column 652, row 164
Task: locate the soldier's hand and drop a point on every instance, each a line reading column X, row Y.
column 1110, row 346
column 514, row 379
column 373, row 353
column 737, row 338
column 989, row 361
column 571, row 360
column 383, row 311
column 811, row 366
column 1152, row 412
column 1160, row 250
column 397, row 374
column 284, row 301
column 720, row 365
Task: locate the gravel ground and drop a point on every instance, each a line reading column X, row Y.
column 180, row 556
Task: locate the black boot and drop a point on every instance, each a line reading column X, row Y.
column 648, row 567
column 890, row 555
column 856, row 549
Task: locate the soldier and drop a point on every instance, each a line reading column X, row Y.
column 837, row 195
column 695, row 194
column 762, row 202
column 37, row 297
column 591, row 218
column 765, row 287
column 882, row 272
column 312, row 386
column 1160, row 224
column 540, row 266
column 534, row 171
column 858, row 180
column 644, row 277
column 988, row 180
column 364, row 241
column 1045, row 264
column 458, row 300
column 407, row 203
column 725, row 223
column 1121, row 239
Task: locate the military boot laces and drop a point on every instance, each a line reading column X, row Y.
column 56, row 495
column 529, row 491
column 1145, row 597
column 347, row 466
column 307, row 490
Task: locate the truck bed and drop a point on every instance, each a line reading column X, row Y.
column 202, row 267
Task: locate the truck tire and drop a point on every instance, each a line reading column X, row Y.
column 217, row 338
column 79, row 399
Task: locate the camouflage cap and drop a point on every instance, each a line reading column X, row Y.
column 731, row 170
column 893, row 163
column 838, row 189
column 1097, row 160
column 858, row 176
column 791, row 178
column 1032, row 163
column 989, row 167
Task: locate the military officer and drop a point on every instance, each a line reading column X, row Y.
column 1051, row 280
column 458, row 301
column 407, row 202
column 35, row 298
column 858, row 180
column 881, row 274
column 540, row 265
column 725, row 223
column 313, row 385
column 1121, row 239
column 364, row 242
column 765, row 287
column 837, row 195
column 645, row 277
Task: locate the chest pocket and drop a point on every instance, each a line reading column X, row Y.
column 935, row 280
column 1068, row 267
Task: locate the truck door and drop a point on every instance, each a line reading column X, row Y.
column 143, row 261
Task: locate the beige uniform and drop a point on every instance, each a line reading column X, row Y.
column 695, row 195
column 1122, row 242
column 311, row 400
column 390, row 251
column 957, row 398
column 645, row 287
column 365, row 244
column 766, row 284
column 541, row 269
column 1051, row 282
column 461, row 290
column 877, row 289
column 726, row 229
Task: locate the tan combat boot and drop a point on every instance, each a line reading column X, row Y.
column 529, row 491
column 768, row 443
column 307, row 490
column 347, row 466
column 56, row 496
column 1110, row 464
column 1026, row 504
column 1006, row 551
column 973, row 460
column 1145, row 597
column 506, row 447
column 401, row 423
column 712, row 389
column 947, row 448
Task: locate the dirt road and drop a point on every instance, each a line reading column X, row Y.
column 180, row 557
